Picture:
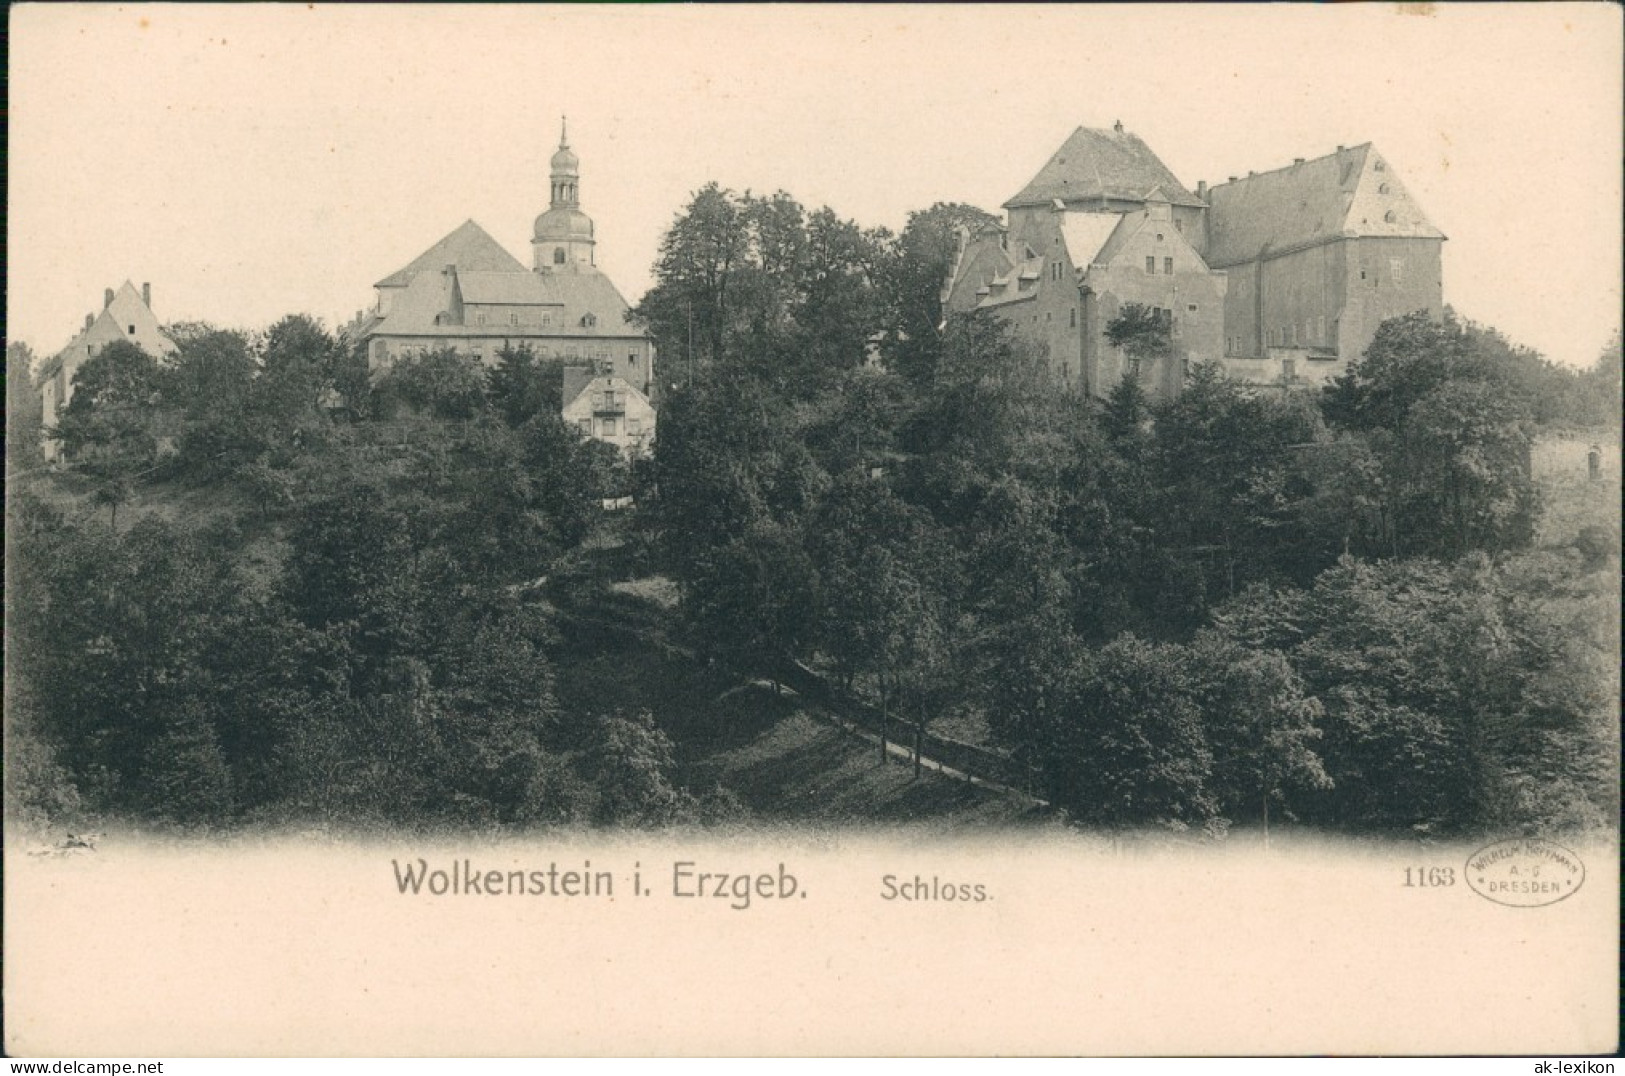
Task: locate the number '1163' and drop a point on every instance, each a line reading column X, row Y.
column 1428, row 877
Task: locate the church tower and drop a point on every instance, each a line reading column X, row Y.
column 562, row 240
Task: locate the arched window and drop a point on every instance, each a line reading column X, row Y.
column 558, row 255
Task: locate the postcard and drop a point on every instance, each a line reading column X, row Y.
column 924, row 530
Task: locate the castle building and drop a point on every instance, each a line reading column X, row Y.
column 126, row 314
column 468, row 294
column 1102, row 225
column 1284, row 276
column 1319, row 254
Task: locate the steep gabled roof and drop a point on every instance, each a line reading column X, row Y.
column 580, row 380
column 1352, row 192
column 1095, row 165
column 113, row 322
column 469, row 247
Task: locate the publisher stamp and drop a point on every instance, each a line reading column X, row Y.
column 1525, row 872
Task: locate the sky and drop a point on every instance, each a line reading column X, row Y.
column 254, row 161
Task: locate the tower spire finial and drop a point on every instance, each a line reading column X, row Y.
column 564, row 132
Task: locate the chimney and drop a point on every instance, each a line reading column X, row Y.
column 1232, row 179
column 1201, row 189
column 1118, row 126
column 107, row 298
column 146, row 294
column 1340, row 149
column 90, row 319
column 1296, row 161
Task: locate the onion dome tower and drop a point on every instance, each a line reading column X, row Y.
column 562, row 240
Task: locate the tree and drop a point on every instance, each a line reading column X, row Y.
column 729, row 456
column 111, row 425
column 1461, row 464
column 117, row 628
column 24, row 409
column 1145, row 336
column 1447, row 411
column 1124, row 744
column 1128, row 408
column 443, row 383
column 112, row 415
column 1226, row 463
column 754, row 598
column 569, row 477
column 211, row 374
column 210, row 382
column 1260, row 725
column 1408, row 358
column 521, row 386
column 993, row 406
column 853, row 426
column 689, row 310
column 186, row 777
column 300, row 365
column 925, row 253
column 630, row 764
column 353, row 565
column 494, row 713
column 1603, row 385
column 882, row 601
column 789, row 298
column 1457, row 698
column 839, row 305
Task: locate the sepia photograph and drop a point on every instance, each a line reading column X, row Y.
column 812, row 530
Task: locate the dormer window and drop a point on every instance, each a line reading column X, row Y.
column 132, row 330
column 588, row 321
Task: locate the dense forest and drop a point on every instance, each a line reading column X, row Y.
column 270, row 587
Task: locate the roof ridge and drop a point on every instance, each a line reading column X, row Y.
column 1295, row 164
column 1097, row 164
